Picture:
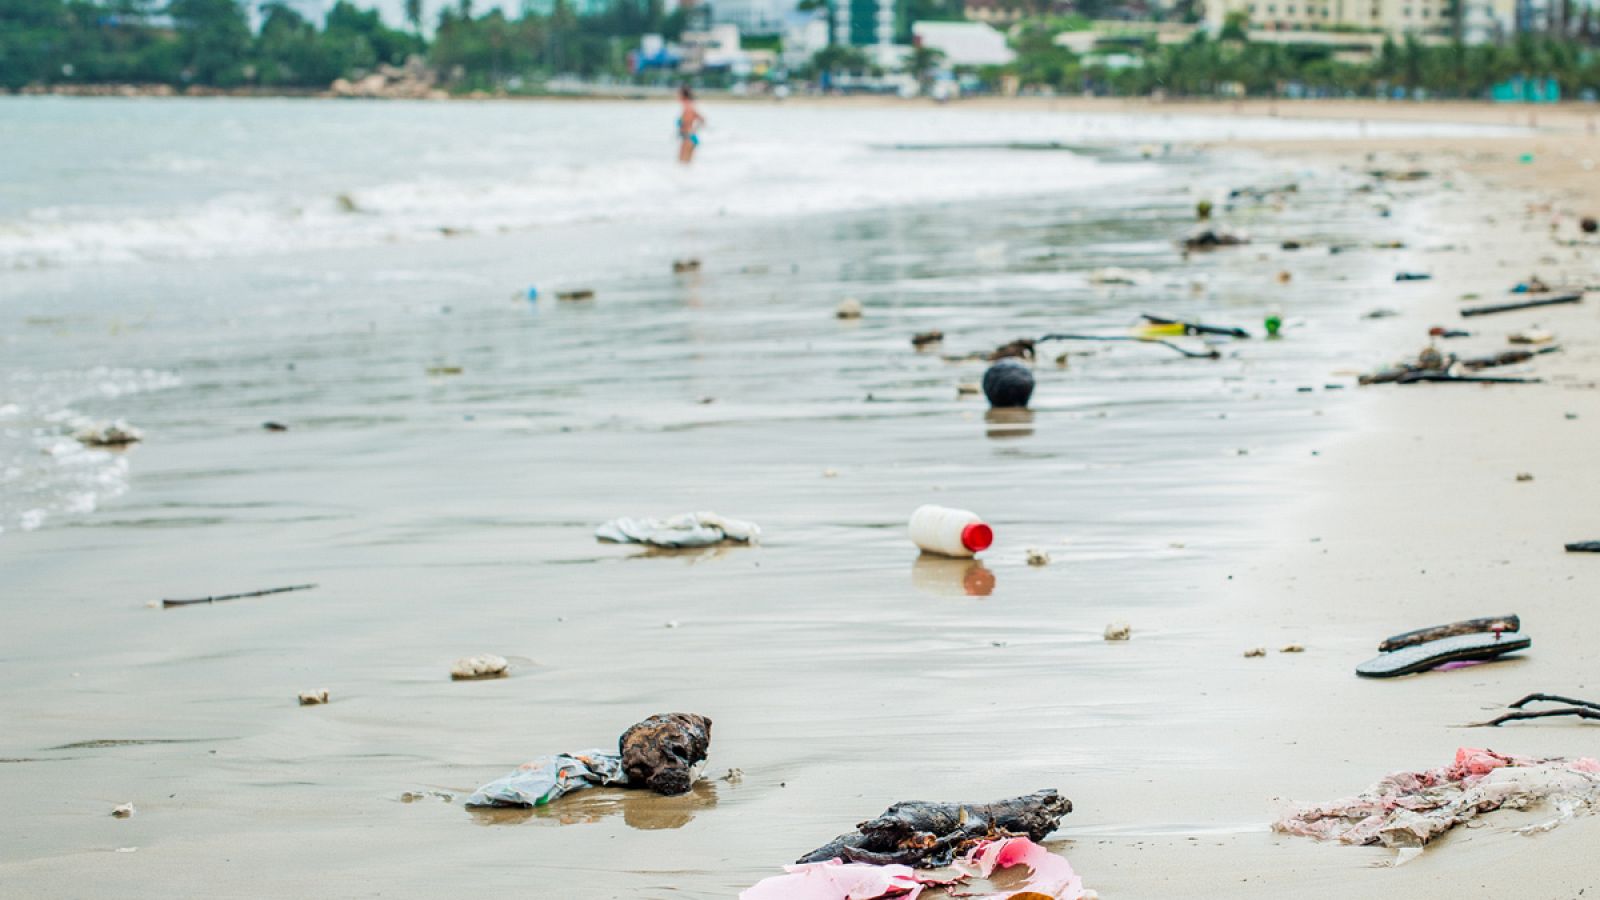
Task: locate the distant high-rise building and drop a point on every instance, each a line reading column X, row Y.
column 863, row 23
column 752, row 17
column 1392, row 16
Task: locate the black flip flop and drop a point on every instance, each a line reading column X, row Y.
column 1460, row 648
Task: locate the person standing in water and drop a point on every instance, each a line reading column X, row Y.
column 689, row 122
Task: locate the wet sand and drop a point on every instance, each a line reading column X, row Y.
column 843, row 673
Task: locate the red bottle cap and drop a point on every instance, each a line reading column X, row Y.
column 977, row 537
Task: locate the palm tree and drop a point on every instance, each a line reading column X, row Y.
column 414, row 15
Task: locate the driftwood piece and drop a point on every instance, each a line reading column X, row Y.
column 1583, row 709
column 662, row 752
column 1192, row 354
column 1507, row 358
column 1197, row 328
column 929, row 835
column 1524, row 304
column 221, row 597
column 1434, row 376
column 1584, row 547
column 1466, row 626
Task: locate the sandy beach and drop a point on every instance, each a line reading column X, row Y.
column 1214, row 510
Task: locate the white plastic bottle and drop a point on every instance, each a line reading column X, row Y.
column 949, row 532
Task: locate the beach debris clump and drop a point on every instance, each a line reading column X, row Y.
column 926, row 339
column 1212, row 238
column 1050, row 877
column 1407, row 810
column 692, row 529
column 576, row 295
column 1118, row 631
column 313, row 698
column 1433, row 365
column 475, row 668
column 924, row 834
column 663, row 753
column 681, row 266
column 124, row 811
column 1037, row 556
column 1255, row 653
column 117, row 433
column 849, row 308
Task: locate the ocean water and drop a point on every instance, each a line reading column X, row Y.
column 233, row 235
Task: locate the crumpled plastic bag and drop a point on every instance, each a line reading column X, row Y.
column 1406, row 810
column 551, row 777
column 694, row 529
column 1051, row 877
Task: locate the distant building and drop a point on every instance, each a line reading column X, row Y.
column 964, row 43
column 863, row 23
column 804, row 33
column 752, row 17
column 992, row 11
column 1396, row 17
column 1488, row 21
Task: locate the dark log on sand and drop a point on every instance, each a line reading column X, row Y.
column 221, row 597
column 929, row 835
column 1525, row 304
column 1467, row 626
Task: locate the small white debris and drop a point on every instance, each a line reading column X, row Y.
column 1254, row 652
column 1119, row 631
column 672, row 623
column 830, row 473
column 850, row 308
column 1292, row 648
column 314, row 698
column 734, row 776
column 127, row 849
column 1037, row 557
column 469, row 668
column 123, row 811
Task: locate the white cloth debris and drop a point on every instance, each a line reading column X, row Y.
column 699, row 529
column 1406, row 810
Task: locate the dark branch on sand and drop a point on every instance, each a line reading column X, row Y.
column 221, row 597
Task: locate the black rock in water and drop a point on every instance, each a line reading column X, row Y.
column 1008, row 384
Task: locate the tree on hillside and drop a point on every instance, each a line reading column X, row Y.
column 214, row 38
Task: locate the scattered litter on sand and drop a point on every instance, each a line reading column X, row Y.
column 444, row 370
column 414, row 796
column 1292, row 648
column 1050, row 877
column 108, row 434
column 1254, row 652
column 1471, row 640
column 575, row 296
column 474, row 668
column 920, row 833
column 314, row 698
column 696, row 529
column 944, row 531
column 734, row 776
column 1037, row 556
column 663, row 753
column 1524, row 476
column 1211, row 239
column 1412, row 276
column 122, row 812
column 680, row 266
column 926, row 338
column 850, row 308
column 1530, row 336
column 1118, row 631
column 274, row 426
column 1008, row 384
column 1406, row 810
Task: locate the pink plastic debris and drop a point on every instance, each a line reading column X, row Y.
column 1051, row 875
